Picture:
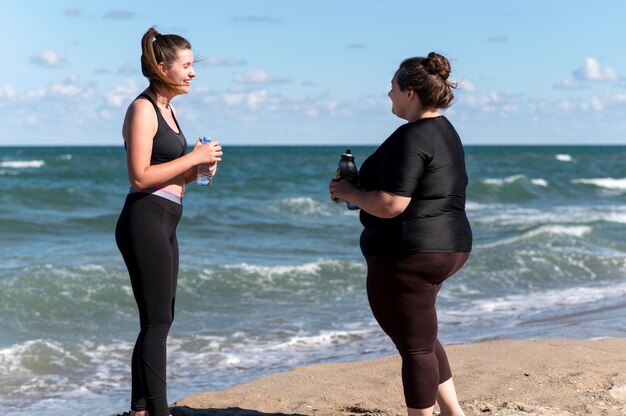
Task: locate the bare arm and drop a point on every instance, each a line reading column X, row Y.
column 139, row 128
column 378, row 203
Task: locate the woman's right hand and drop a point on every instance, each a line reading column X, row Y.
column 207, row 153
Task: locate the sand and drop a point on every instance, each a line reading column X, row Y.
column 554, row 377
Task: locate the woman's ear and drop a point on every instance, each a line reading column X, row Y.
column 162, row 66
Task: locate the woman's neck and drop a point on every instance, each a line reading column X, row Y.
column 161, row 97
column 429, row 113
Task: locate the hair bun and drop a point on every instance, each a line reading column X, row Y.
column 438, row 65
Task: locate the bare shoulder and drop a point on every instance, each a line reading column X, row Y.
column 140, row 114
column 140, row 106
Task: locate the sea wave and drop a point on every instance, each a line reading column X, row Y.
column 322, row 339
column 564, row 157
column 528, row 305
column 302, row 205
column 513, row 179
column 577, row 231
column 21, row 164
column 311, row 268
column 35, row 357
column 500, row 182
column 607, row 183
column 514, row 215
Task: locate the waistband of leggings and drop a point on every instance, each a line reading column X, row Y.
column 171, row 196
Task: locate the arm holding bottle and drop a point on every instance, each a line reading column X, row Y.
column 378, row 203
column 192, row 173
column 139, row 129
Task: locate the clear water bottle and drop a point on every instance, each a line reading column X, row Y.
column 205, row 178
column 348, row 170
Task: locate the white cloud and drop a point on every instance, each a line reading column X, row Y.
column 566, row 105
column 72, row 87
column 119, row 14
column 596, row 104
column 568, row 84
column 592, row 71
column 232, row 99
column 214, row 60
column 7, row 91
column 259, row 76
column 48, row 59
column 256, row 98
column 68, row 90
column 31, row 119
column 464, row 85
column 122, row 94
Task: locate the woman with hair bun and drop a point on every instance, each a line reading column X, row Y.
column 416, row 233
column 159, row 166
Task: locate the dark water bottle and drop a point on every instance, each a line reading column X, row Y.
column 348, row 170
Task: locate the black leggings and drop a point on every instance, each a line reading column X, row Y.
column 146, row 237
column 402, row 291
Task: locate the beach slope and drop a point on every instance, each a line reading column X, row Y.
column 554, row 377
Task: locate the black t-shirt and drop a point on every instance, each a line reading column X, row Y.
column 423, row 160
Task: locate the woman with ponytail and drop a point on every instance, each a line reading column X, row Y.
column 416, row 233
column 159, row 166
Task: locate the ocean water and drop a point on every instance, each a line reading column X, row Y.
column 271, row 274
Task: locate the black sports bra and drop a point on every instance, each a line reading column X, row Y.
column 167, row 145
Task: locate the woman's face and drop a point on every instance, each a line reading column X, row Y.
column 399, row 99
column 181, row 70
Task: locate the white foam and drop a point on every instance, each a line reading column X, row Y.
column 525, row 304
column 21, row 164
column 322, row 339
column 577, row 231
column 539, row 182
column 616, row 217
column 607, row 183
column 506, row 215
column 302, row 205
column 311, row 268
column 92, row 268
column 500, row 182
column 561, row 157
column 13, row 359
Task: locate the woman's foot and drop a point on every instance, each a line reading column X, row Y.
column 447, row 400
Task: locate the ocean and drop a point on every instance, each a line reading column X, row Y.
column 271, row 274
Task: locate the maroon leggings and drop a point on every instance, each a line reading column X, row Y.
column 402, row 291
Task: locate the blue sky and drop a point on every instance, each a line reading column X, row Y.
column 317, row 72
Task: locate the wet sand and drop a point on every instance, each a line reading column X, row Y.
column 551, row 377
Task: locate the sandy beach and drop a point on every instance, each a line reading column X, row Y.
column 554, row 377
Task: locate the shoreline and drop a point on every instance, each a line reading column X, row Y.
column 545, row 377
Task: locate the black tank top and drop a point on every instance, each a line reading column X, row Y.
column 423, row 160
column 167, row 145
